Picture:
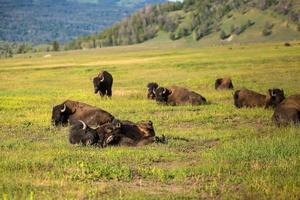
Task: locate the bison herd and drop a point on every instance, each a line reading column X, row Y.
column 93, row 126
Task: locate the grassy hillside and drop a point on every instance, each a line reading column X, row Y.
column 230, row 153
column 203, row 23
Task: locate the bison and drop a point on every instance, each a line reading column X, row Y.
column 80, row 133
column 249, row 98
column 176, row 95
column 223, row 83
column 72, row 111
column 151, row 90
column 115, row 133
column 103, row 83
column 288, row 111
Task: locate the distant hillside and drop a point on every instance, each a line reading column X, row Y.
column 203, row 22
column 42, row 21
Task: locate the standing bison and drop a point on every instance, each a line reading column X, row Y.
column 151, row 90
column 103, row 84
column 288, row 111
column 249, row 98
column 72, row 111
column 176, row 95
column 223, row 84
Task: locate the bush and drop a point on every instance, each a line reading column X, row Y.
column 223, row 35
column 267, row 29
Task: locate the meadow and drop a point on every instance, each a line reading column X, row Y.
column 215, row 151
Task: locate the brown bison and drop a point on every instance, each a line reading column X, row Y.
column 136, row 134
column 176, row 95
column 288, row 111
column 116, row 133
column 151, row 90
column 223, row 83
column 72, row 111
column 249, row 98
column 80, row 133
column 103, row 83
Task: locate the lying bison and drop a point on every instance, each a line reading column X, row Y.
column 249, row 98
column 288, row 111
column 223, row 83
column 72, row 111
column 103, row 83
column 151, row 90
column 116, row 133
column 136, row 134
column 176, row 95
column 102, row 136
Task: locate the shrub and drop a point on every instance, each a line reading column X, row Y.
column 223, row 35
column 267, row 29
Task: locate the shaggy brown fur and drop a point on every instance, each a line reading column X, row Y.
column 72, row 111
column 288, row 111
column 136, row 134
column 223, row 83
column 176, row 95
column 249, row 98
column 103, row 83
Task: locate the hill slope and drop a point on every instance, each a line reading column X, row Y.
column 207, row 21
column 42, row 21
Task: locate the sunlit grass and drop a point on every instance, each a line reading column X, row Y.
column 217, row 151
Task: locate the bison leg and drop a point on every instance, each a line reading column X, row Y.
column 109, row 92
column 101, row 94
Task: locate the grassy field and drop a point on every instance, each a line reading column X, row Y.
column 230, row 153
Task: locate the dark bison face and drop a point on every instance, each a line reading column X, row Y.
column 151, row 90
column 276, row 96
column 80, row 133
column 162, row 95
column 218, row 82
column 109, row 133
column 60, row 115
column 97, row 83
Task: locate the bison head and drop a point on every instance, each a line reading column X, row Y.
column 97, row 83
column 218, row 82
column 80, row 133
column 162, row 95
column 60, row 114
column 151, row 90
column 109, row 133
column 276, row 96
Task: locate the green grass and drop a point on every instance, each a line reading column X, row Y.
column 283, row 30
column 231, row 153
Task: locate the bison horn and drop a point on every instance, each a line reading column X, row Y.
column 109, row 139
column 164, row 92
column 118, row 125
column 273, row 94
column 102, row 79
column 83, row 124
column 154, row 91
column 64, row 109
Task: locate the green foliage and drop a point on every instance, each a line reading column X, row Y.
column 267, row 29
column 223, row 35
column 55, row 46
column 42, row 21
column 179, row 20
